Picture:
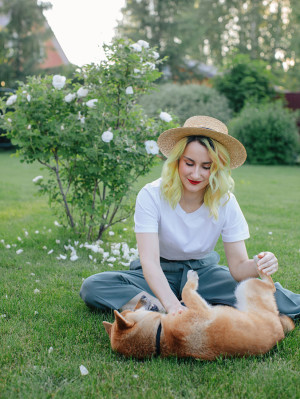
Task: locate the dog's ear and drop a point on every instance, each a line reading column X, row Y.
column 122, row 323
column 107, row 327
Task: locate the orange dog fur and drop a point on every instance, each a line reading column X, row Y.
column 204, row 331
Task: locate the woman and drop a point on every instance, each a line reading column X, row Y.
column 178, row 220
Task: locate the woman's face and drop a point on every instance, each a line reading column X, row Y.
column 194, row 168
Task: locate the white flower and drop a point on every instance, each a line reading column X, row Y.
column 58, row 81
column 28, row 97
column 37, row 179
column 129, row 90
column 19, row 239
column 57, row 241
column 50, row 252
column 36, row 291
column 63, row 257
column 164, row 116
column 107, row 136
column 62, row 127
column 36, row 313
column 151, row 147
column 50, row 350
column 155, row 55
column 111, row 259
column 143, row 43
column 136, row 70
column 149, row 65
column 83, row 370
column 82, row 92
column 11, row 100
column 37, row 232
column 136, row 47
column 3, row 316
column 70, row 97
column 111, row 233
column 57, row 224
column 19, row 251
column 92, row 103
column 81, row 118
column 29, row 127
column 44, row 247
column 9, row 120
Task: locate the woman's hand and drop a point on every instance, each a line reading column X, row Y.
column 176, row 308
column 267, row 263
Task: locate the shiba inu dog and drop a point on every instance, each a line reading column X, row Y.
column 203, row 331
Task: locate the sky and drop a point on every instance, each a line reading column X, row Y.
column 82, row 26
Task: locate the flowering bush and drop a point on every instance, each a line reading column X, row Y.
column 90, row 134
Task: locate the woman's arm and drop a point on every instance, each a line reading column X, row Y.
column 148, row 247
column 241, row 267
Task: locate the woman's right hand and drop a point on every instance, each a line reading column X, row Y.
column 175, row 308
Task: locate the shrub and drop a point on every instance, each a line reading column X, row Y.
column 90, row 134
column 187, row 100
column 245, row 80
column 268, row 132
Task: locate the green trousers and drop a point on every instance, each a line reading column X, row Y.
column 113, row 289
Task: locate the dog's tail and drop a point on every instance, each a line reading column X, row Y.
column 287, row 323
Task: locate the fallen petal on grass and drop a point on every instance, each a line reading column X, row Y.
column 83, row 370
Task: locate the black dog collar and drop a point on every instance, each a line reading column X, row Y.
column 158, row 334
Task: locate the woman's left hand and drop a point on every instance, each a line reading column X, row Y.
column 267, row 263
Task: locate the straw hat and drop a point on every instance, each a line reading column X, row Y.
column 204, row 126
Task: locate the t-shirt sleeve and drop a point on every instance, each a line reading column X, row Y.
column 146, row 214
column 235, row 227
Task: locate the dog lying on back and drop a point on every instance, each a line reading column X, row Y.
column 203, row 331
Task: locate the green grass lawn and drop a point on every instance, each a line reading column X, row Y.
column 40, row 307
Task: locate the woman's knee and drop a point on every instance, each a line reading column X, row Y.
column 93, row 287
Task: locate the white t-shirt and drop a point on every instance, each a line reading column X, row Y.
column 184, row 236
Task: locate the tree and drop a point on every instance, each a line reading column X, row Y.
column 212, row 31
column 22, row 39
column 158, row 22
column 245, row 80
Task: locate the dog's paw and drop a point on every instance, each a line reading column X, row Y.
column 192, row 275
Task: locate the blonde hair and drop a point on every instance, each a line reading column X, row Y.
column 220, row 180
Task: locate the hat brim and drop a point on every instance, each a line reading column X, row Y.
column 235, row 148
